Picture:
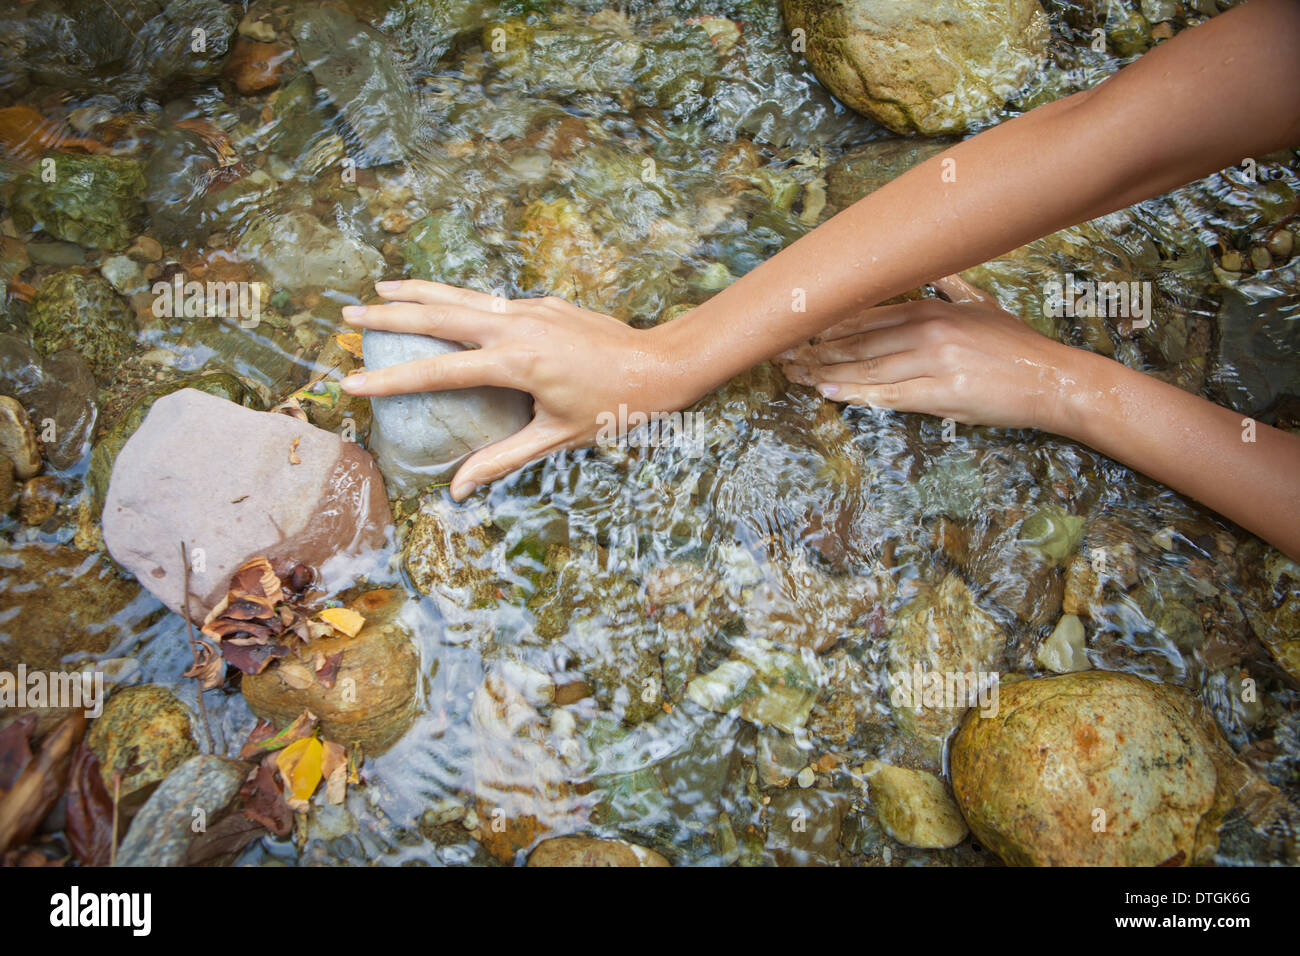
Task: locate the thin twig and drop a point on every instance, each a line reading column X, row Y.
column 117, row 796
column 194, row 648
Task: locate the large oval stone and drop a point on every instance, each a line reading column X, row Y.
column 420, row 437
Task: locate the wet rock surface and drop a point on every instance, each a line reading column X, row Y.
column 163, row 829
column 143, row 734
column 931, row 68
column 172, row 483
column 1126, row 772
column 588, row 851
column 84, row 313
column 373, row 698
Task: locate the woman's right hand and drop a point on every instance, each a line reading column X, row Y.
column 577, row 364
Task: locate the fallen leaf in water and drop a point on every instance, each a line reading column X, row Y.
column 300, row 766
column 349, row 342
column 38, row 787
column 15, row 750
column 90, row 810
column 228, row 835
column 264, row 803
column 342, row 619
column 327, row 669
column 296, row 675
column 264, row 737
column 210, row 668
column 334, row 767
column 324, row 394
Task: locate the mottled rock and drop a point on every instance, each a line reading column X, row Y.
column 1096, row 768
column 298, row 251
column 163, row 830
column 82, row 312
column 17, row 440
column 861, row 171
column 39, row 499
column 143, row 734
column 914, row 807
column 926, row 66
column 173, row 482
column 419, row 438
column 372, row 700
column 591, row 851
column 943, row 635
column 93, row 201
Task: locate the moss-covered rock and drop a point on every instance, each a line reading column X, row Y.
column 93, row 201
column 82, row 312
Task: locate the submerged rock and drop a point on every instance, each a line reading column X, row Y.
column 60, row 395
column 591, row 851
column 354, row 65
column 914, row 807
column 82, row 312
column 93, row 201
column 925, row 66
column 298, row 251
column 233, row 484
column 163, row 830
column 942, row 639
column 863, row 170
column 767, row 686
column 1097, row 768
column 64, row 607
column 420, row 437
column 17, row 440
column 373, row 697
column 803, row 827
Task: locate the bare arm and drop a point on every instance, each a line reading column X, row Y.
column 1189, row 107
column 974, row 363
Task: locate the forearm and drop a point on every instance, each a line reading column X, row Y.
column 1245, row 470
column 1189, row 107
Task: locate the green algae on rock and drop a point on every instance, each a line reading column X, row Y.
column 82, row 312
column 94, row 201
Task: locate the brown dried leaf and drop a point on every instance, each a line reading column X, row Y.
column 210, row 668
column 265, row 739
column 264, row 803
column 327, row 669
column 90, row 810
column 296, row 675
column 334, row 767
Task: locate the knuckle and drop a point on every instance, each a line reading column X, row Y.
column 871, row 367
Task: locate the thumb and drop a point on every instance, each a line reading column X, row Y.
column 535, row 440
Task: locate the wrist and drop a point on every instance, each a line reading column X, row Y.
column 1084, row 388
column 682, row 369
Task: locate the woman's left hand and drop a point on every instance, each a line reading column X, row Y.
column 964, row 359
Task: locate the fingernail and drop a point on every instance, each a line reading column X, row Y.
column 830, row 391
column 354, row 381
column 353, row 311
column 463, row 490
column 388, row 285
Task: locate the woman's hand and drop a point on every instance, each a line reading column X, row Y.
column 575, row 363
column 965, row 359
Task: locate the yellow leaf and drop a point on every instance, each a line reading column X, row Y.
column 343, row 619
column 300, row 765
column 349, row 342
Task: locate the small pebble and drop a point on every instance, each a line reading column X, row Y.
column 145, row 249
column 1260, row 260
column 1231, row 261
column 1281, row 243
column 1162, row 31
column 39, row 500
column 806, row 777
